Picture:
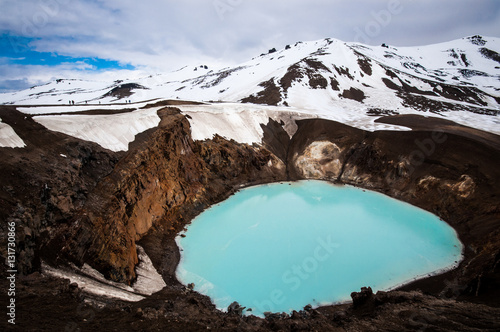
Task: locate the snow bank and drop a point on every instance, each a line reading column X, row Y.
column 242, row 122
column 149, row 281
column 40, row 110
column 113, row 131
column 9, row 138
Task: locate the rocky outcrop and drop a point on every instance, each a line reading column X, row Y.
column 363, row 298
column 319, row 160
column 123, row 90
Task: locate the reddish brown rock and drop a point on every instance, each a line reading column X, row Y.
column 164, row 178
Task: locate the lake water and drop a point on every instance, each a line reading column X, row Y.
column 279, row 247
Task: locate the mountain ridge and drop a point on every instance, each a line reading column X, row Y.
column 346, row 82
column 300, row 51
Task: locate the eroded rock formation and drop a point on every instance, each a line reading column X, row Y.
column 166, row 179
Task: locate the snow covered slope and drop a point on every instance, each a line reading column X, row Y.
column 347, row 82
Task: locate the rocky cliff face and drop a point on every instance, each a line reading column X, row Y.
column 43, row 185
column 166, row 179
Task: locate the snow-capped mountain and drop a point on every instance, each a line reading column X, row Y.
column 459, row 80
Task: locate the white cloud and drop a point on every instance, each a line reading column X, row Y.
column 165, row 35
column 16, row 77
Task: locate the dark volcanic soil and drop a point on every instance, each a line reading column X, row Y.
column 94, row 205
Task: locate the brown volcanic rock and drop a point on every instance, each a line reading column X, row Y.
column 276, row 139
column 163, row 177
column 123, row 90
column 44, row 184
column 270, row 95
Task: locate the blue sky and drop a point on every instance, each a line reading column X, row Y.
column 41, row 40
column 18, row 51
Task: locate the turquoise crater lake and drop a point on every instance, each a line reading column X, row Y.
column 279, row 247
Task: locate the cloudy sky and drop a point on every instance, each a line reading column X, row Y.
column 41, row 40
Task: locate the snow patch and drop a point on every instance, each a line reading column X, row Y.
column 240, row 122
column 9, row 138
column 113, row 131
column 91, row 281
column 40, row 110
column 484, row 122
